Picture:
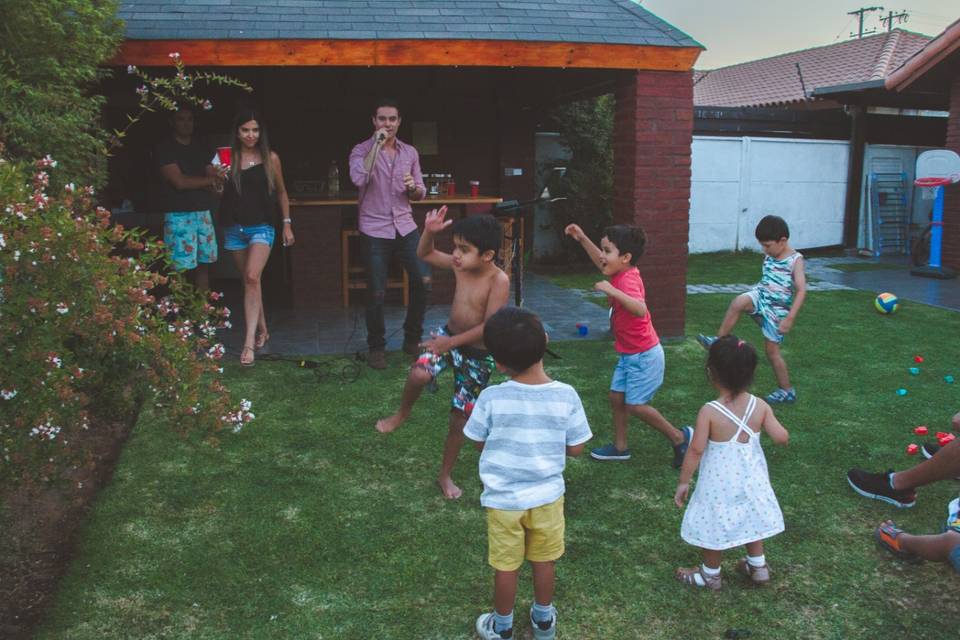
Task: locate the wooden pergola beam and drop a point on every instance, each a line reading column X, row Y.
column 406, row 53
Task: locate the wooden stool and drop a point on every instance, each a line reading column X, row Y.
column 354, row 276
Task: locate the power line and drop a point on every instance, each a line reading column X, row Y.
column 901, row 17
column 842, row 29
column 860, row 13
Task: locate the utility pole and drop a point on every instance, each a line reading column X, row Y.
column 901, row 17
column 860, row 13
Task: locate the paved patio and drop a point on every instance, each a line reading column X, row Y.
column 343, row 331
column 891, row 273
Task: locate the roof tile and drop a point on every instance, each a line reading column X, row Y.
column 598, row 21
column 782, row 79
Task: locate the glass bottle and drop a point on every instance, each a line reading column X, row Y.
column 333, row 180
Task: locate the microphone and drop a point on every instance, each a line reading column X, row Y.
column 381, row 136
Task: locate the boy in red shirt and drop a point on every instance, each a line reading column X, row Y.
column 639, row 372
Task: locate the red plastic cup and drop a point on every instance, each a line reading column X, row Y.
column 912, row 449
column 918, row 359
column 474, row 188
column 921, row 430
column 941, row 435
column 224, row 153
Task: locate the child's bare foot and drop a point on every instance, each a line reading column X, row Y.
column 386, row 425
column 450, row 490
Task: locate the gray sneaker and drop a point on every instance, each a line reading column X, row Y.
column 544, row 630
column 706, row 341
column 782, row 396
column 485, row 630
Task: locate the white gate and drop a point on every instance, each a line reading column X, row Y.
column 737, row 181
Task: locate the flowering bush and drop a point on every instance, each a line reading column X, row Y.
column 167, row 93
column 88, row 325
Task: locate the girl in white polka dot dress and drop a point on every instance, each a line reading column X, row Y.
column 733, row 503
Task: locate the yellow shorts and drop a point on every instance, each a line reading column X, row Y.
column 535, row 534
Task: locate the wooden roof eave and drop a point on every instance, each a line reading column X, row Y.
column 406, row 53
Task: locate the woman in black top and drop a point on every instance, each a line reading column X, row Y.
column 248, row 211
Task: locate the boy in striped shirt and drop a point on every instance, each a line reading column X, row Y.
column 525, row 428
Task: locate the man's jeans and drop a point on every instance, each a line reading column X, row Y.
column 378, row 253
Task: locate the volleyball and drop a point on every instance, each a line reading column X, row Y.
column 886, row 303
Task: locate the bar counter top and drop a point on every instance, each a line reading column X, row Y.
column 346, row 201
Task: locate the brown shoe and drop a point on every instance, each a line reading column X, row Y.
column 759, row 575
column 411, row 348
column 377, row 359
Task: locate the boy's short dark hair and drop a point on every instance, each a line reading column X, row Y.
column 515, row 338
column 627, row 238
column 482, row 231
column 386, row 102
column 772, row 228
column 732, row 362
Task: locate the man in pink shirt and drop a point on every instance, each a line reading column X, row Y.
column 387, row 173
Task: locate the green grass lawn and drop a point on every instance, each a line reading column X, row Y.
column 309, row 524
column 742, row 267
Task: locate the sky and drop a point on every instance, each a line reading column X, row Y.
column 735, row 31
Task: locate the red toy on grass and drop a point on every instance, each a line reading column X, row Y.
column 912, row 449
column 921, row 430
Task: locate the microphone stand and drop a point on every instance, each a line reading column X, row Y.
column 516, row 210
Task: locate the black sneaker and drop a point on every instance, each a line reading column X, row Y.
column 680, row 450
column 929, row 450
column 877, row 486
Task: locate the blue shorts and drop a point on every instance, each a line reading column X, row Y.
column 190, row 237
column 639, row 375
column 237, row 238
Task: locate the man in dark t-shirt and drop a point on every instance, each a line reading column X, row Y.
column 187, row 176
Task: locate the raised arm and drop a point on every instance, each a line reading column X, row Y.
column 432, row 225
column 691, row 462
column 593, row 251
column 361, row 163
column 800, row 294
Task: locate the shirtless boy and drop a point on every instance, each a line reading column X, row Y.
column 481, row 289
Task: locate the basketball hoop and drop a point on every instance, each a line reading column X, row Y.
column 928, row 186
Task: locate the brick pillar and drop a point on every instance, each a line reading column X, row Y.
column 951, row 204
column 653, row 133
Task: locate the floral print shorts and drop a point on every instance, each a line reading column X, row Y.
column 191, row 238
column 472, row 368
